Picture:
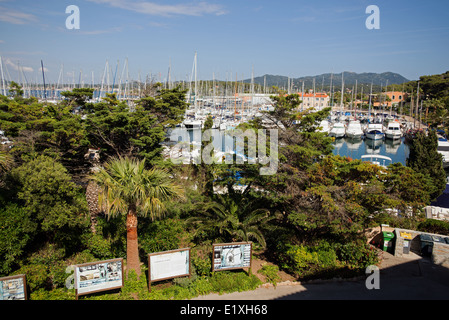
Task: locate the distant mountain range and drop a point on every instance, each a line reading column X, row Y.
column 324, row 80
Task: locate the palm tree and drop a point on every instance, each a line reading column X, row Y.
column 126, row 187
column 230, row 218
column 5, row 161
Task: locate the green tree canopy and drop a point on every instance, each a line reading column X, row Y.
column 49, row 198
column 424, row 158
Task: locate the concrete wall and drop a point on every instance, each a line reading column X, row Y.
column 415, row 243
column 440, row 252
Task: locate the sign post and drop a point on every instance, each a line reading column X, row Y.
column 98, row 276
column 13, row 288
column 168, row 265
column 229, row 256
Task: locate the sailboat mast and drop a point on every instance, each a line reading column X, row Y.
column 252, row 88
column 369, row 106
column 43, row 77
column 342, row 91
column 302, row 104
column 417, row 104
column 196, row 85
column 235, row 96
column 355, row 105
column 3, row 77
column 115, row 76
column 314, row 96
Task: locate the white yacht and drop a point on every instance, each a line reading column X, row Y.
column 354, row 130
column 374, row 131
column 338, row 130
column 324, row 127
column 193, row 124
column 393, row 130
column 380, row 160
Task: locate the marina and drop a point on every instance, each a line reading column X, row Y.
column 397, row 150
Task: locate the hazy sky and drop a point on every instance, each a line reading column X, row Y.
column 291, row 38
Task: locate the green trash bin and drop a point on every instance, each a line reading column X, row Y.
column 388, row 238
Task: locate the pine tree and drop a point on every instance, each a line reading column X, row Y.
column 424, row 158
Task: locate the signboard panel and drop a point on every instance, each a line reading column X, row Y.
column 98, row 276
column 13, row 288
column 229, row 256
column 169, row 264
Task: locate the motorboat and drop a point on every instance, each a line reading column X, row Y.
column 393, row 130
column 374, row 131
column 193, row 124
column 378, row 159
column 338, row 130
column 324, row 127
column 354, row 130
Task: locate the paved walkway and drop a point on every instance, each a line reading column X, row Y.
column 411, row 278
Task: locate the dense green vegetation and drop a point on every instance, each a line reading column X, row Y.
column 307, row 219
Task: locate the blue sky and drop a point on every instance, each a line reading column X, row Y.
column 291, row 38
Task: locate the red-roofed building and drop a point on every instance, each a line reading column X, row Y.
column 318, row 100
column 395, row 96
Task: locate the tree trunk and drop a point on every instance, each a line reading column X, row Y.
column 132, row 248
column 92, row 191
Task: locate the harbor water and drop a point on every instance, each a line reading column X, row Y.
column 397, row 150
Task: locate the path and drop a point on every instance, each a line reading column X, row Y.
column 411, row 278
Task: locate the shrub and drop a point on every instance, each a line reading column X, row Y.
column 298, row 259
column 357, row 255
column 271, row 273
column 161, row 235
column 99, row 246
column 16, row 231
column 201, row 265
column 37, row 276
column 434, row 226
column 228, row 281
column 327, row 257
column 55, row 294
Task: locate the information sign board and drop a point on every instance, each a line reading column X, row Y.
column 236, row 255
column 98, row 276
column 169, row 264
column 13, row 288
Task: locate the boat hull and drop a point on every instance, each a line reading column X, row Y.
column 354, row 135
column 393, row 136
column 337, row 134
column 374, row 135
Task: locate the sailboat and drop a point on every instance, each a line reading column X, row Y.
column 354, row 130
column 338, row 129
column 374, row 131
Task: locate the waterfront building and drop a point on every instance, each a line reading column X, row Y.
column 317, row 100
